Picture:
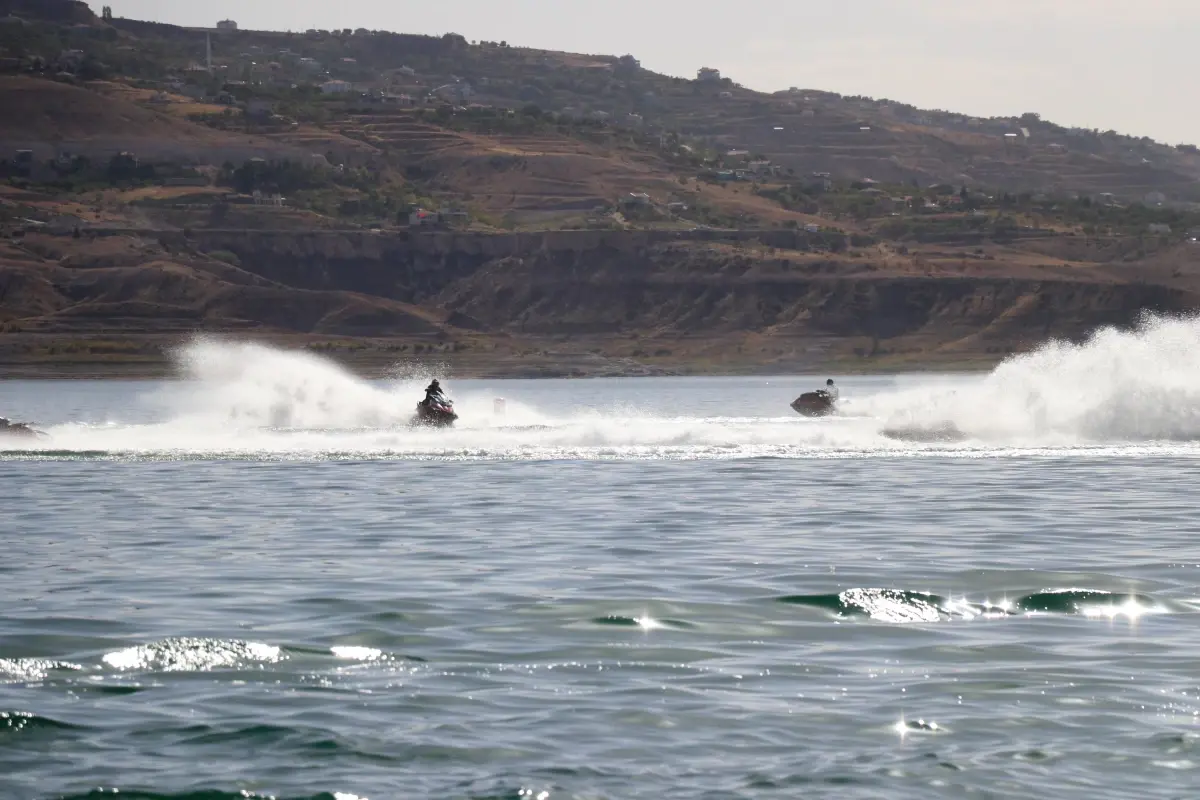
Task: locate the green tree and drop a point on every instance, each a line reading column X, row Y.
column 122, row 167
column 91, row 69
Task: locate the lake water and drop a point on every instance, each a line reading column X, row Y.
column 258, row 582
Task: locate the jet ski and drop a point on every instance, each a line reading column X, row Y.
column 436, row 411
column 814, row 404
column 19, row 430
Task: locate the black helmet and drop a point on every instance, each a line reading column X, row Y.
column 829, row 382
column 435, row 383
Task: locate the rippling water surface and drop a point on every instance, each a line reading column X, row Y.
column 259, row 582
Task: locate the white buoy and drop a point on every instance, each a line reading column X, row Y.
column 498, row 406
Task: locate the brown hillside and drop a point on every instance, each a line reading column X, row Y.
column 571, row 301
column 549, row 177
column 64, row 285
column 972, row 239
column 44, row 115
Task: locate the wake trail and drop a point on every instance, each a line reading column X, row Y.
column 1119, row 389
column 1139, row 385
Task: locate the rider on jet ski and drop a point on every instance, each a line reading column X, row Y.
column 433, row 393
column 831, row 390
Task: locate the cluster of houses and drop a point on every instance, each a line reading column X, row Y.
column 286, row 69
column 739, row 165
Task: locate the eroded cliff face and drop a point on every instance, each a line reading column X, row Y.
column 864, row 314
column 415, row 267
column 703, row 284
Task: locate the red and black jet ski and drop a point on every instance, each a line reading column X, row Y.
column 436, row 411
column 814, row 404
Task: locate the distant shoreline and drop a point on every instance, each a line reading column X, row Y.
column 372, row 369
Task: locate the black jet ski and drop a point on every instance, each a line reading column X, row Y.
column 814, row 404
column 436, row 411
column 19, row 430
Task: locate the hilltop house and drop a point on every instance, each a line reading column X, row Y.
column 635, row 200
column 227, row 25
column 1159, row 228
column 64, row 223
column 335, row 87
column 420, row 218
column 71, row 59
column 708, row 75
column 453, row 93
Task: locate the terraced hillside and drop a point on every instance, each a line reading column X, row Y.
column 545, row 176
column 807, row 130
column 595, row 214
column 814, row 132
column 48, row 116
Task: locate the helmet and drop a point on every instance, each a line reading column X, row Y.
column 829, row 382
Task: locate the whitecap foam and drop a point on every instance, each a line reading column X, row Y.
column 192, row 655
column 351, row 653
column 31, row 669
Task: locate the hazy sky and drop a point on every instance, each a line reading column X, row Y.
column 1128, row 66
